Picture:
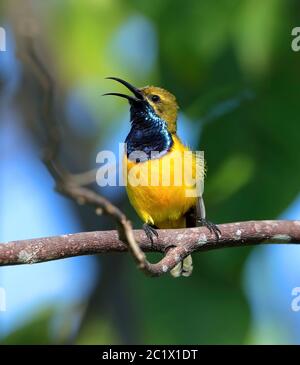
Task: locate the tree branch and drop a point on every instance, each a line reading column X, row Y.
column 176, row 243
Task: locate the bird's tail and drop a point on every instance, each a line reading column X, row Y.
column 183, row 268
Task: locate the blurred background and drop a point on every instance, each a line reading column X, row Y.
column 237, row 81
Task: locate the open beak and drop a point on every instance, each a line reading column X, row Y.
column 136, row 92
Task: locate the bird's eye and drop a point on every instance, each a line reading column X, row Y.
column 155, row 98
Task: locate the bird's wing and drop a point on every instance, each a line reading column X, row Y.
column 200, row 171
column 198, row 210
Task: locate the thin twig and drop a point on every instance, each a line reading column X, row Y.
column 67, row 183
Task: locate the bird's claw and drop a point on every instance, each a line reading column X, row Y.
column 150, row 232
column 213, row 228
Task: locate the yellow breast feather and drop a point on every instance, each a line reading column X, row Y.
column 157, row 188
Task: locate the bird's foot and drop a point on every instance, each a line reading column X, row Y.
column 150, row 232
column 213, row 228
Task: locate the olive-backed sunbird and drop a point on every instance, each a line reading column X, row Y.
column 153, row 151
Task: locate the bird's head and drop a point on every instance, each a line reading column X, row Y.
column 149, row 99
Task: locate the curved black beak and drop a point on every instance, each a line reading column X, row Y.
column 138, row 95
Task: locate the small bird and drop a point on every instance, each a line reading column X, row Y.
column 153, row 117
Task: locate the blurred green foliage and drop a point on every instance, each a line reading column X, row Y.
column 209, row 52
column 35, row 331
